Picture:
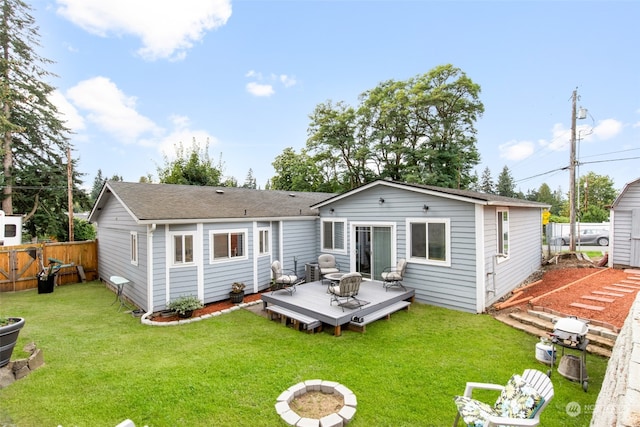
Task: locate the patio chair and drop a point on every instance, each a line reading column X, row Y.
column 346, row 290
column 520, row 403
column 392, row 276
column 327, row 264
column 282, row 281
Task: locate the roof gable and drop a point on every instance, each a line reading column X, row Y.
column 449, row 193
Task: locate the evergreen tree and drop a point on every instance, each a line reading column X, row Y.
column 98, row 182
column 486, row 182
column 506, row 186
column 34, row 137
column 250, row 181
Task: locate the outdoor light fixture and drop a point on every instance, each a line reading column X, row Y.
column 332, row 210
column 381, row 200
column 425, row 208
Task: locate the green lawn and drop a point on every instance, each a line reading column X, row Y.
column 103, row 366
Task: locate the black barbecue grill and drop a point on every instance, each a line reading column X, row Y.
column 571, row 333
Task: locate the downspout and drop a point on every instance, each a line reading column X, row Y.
column 150, row 229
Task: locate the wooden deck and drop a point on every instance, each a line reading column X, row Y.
column 312, row 300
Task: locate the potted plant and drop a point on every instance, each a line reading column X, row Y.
column 185, row 305
column 9, row 330
column 237, row 292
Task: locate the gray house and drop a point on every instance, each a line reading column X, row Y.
column 624, row 245
column 464, row 249
column 173, row 240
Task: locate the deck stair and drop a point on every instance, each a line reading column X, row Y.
column 297, row 320
column 359, row 324
column 539, row 323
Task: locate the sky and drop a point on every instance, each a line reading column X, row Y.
column 136, row 78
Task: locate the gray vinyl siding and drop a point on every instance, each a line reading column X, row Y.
column 219, row 275
column 621, row 254
column 622, row 224
column 525, row 253
column 159, row 279
column 451, row 287
column 299, row 244
column 114, row 240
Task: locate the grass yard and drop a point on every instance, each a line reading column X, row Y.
column 103, row 366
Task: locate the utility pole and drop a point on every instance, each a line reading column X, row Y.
column 572, row 176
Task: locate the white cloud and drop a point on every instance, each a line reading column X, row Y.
column 607, row 129
column 258, row 89
column 166, row 28
column 287, row 81
column 68, row 113
column 110, row 109
column 516, row 150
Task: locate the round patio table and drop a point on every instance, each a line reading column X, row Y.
column 333, row 278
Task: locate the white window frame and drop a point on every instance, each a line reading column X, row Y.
column 264, row 244
column 425, row 260
column 228, row 258
column 133, row 247
column 502, row 246
column 172, row 239
column 333, row 249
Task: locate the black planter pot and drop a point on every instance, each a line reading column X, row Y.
column 236, row 298
column 185, row 314
column 8, row 338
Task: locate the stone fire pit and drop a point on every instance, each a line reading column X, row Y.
column 336, row 419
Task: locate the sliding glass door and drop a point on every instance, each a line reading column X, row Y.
column 373, row 250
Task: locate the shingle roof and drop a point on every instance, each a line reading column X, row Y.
column 157, row 202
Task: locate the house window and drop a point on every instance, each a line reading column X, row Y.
column 228, row 245
column 333, row 235
column 10, row 230
column 182, row 249
column 263, row 241
column 503, row 233
column 133, row 245
column 429, row 241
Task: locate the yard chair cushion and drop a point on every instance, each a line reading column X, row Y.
column 518, row 400
column 279, row 277
column 473, row 412
column 327, row 264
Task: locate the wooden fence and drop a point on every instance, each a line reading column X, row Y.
column 20, row 265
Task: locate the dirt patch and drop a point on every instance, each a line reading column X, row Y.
column 315, row 404
column 548, row 288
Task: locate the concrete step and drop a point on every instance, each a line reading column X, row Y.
column 540, row 324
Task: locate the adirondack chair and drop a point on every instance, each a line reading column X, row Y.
column 520, row 403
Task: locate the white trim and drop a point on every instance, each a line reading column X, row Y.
column 171, row 252
column 150, row 282
column 342, row 251
column 134, row 250
column 481, row 274
column 198, row 258
column 352, row 239
column 258, row 231
column 501, row 256
column 426, row 260
column 229, row 231
column 167, row 264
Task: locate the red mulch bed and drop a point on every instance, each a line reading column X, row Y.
column 581, row 281
column 207, row 309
